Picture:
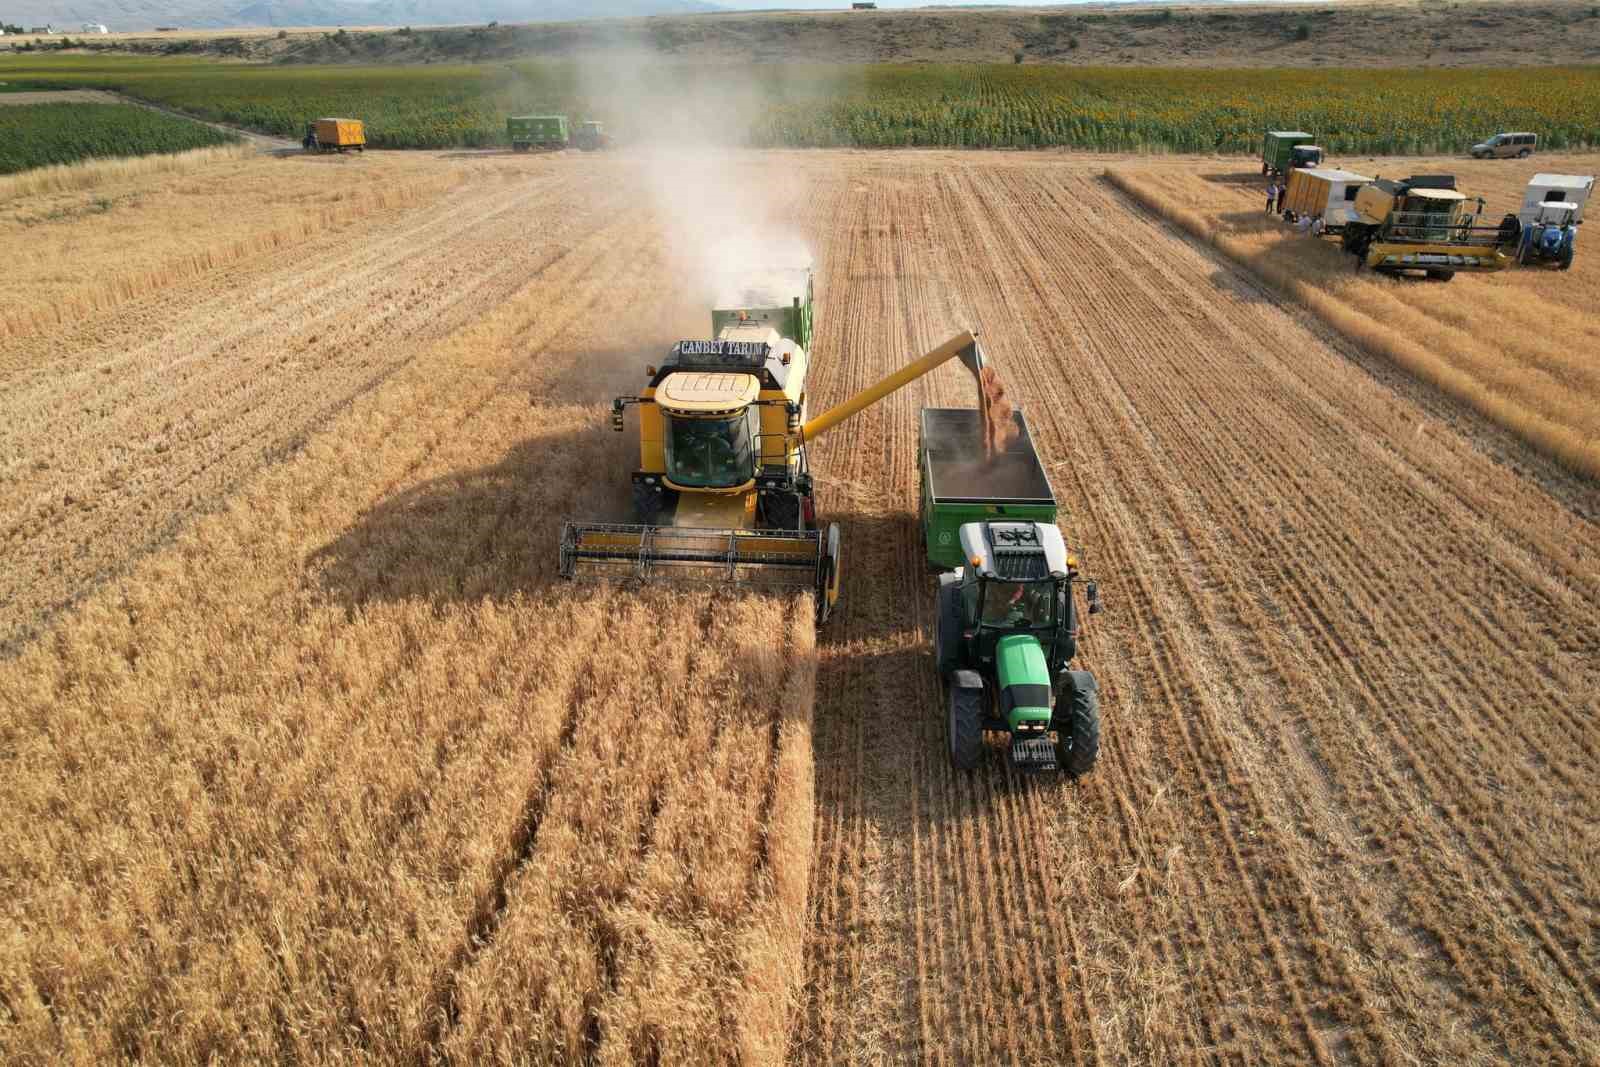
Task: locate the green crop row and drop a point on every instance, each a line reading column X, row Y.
column 1113, row 109
column 36, row 135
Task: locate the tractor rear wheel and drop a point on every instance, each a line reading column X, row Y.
column 966, row 726
column 1077, row 724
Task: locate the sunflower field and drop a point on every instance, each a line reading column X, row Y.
column 872, row 106
column 37, row 135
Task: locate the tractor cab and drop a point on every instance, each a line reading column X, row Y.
column 1305, row 157
column 1006, row 635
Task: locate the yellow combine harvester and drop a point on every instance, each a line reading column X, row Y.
column 724, row 491
column 1422, row 223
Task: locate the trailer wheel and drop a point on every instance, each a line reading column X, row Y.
column 966, row 725
column 1077, row 724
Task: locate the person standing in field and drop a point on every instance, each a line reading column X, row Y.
column 1272, row 195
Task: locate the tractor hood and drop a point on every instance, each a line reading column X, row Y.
column 1024, row 678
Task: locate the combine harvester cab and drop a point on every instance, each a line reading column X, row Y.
column 724, row 492
column 1552, row 210
column 1423, row 223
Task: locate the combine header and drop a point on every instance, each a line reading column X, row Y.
column 724, row 490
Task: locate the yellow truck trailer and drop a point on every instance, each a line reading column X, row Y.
column 335, row 135
column 1326, row 194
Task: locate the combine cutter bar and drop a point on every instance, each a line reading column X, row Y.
column 792, row 559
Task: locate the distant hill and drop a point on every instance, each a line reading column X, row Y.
column 129, row 15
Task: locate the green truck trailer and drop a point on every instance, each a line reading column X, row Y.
column 1286, row 150
column 526, row 132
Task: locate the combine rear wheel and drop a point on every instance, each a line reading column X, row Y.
column 1441, row 275
column 1077, row 724
column 966, row 725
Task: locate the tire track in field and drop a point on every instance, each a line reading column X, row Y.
column 1486, row 853
column 1294, row 816
column 370, row 306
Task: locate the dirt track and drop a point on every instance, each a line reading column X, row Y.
column 1346, row 807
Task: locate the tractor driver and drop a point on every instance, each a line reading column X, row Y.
column 706, row 452
column 1018, row 603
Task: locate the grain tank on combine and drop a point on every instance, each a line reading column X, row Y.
column 724, row 490
column 1423, row 223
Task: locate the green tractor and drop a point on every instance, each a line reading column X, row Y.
column 1006, row 621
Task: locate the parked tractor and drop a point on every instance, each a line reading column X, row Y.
column 1006, row 620
column 1552, row 210
column 591, row 137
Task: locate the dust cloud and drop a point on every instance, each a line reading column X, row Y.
column 726, row 213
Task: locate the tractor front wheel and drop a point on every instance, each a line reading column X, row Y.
column 1077, row 724
column 966, row 726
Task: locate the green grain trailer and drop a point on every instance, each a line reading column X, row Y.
column 961, row 485
column 537, row 131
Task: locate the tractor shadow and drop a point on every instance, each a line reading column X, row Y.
column 880, row 707
column 485, row 532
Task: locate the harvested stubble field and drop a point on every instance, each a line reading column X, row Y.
column 1518, row 346
column 339, row 771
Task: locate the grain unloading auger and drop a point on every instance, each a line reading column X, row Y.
column 724, row 492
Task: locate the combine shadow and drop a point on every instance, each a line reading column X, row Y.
column 491, row 531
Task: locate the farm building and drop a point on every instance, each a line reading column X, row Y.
column 94, row 27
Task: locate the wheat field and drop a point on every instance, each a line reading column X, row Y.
column 306, row 753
